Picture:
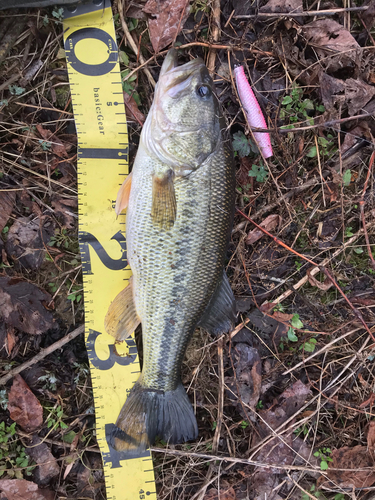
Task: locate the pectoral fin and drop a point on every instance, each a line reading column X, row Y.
column 122, row 199
column 121, row 319
column 220, row 313
column 164, row 207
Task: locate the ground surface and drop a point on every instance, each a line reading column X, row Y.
column 293, row 385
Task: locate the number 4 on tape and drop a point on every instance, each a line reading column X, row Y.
column 96, row 89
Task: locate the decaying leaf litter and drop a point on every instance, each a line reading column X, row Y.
column 285, row 402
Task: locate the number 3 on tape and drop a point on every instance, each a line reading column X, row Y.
column 96, row 89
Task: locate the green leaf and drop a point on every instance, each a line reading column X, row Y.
column 323, row 465
column 287, row 100
column 260, row 173
column 15, row 90
column 346, row 178
column 124, row 57
column 241, row 144
column 358, row 250
column 69, row 437
column 63, row 425
column 312, row 152
column 320, row 108
column 72, row 297
column 310, row 345
column 308, row 104
column 292, row 336
column 296, row 322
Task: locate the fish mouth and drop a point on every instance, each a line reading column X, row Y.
column 173, row 78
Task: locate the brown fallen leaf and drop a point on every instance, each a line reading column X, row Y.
column 225, row 494
column 132, row 110
column 328, row 35
column 282, row 6
column 242, row 174
column 22, row 306
column 371, row 437
column 57, row 146
column 167, row 20
column 282, row 317
column 48, row 467
column 270, row 223
column 23, row 406
column 25, row 242
column 20, row 489
column 355, row 458
column 248, row 368
column 7, row 199
column 326, row 285
column 356, row 134
column 329, row 38
column 62, row 206
column 357, row 94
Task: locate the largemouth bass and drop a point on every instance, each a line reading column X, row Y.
column 180, row 205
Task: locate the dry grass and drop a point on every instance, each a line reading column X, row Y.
column 320, row 219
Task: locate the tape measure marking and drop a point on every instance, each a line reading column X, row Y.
column 102, row 165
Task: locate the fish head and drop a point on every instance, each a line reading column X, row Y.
column 183, row 127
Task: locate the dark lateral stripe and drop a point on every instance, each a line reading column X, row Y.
column 103, row 153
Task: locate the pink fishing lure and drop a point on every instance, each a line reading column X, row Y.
column 253, row 112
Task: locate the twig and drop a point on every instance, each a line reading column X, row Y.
column 132, row 43
column 205, row 457
column 306, row 13
column 220, row 403
column 320, row 351
column 362, row 210
column 216, row 29
column 316, row 269
column 321, row 269
column 42, row 354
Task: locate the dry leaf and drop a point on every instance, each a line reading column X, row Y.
column 22, row 306
column 132, row 110
column 57, row 146
column 357, row 94
column 282, row 317
column 270, row 223
column 354, row 458
column 26, row 242
column 20, row 489
column 248, row 378
column 23, row 406
column 48, row 467
column 327, row 36
column 371, row 436
column 167, row 20
column 225, row 494
column 7, row 199
column 282, row 6
column 62, row 207
column 326, row 285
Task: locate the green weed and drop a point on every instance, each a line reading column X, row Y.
column 322, row 454
column 13, row 457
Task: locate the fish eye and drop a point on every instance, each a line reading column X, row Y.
column 203, row 91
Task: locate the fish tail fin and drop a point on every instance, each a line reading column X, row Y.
column 148, row 413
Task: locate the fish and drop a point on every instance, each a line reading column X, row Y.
column 179, row 201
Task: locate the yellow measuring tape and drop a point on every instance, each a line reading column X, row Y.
column 97, row 96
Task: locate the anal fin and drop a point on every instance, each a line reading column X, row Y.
column 122, row 319
column 220, row 314
column 164, row 207
column 122, row 200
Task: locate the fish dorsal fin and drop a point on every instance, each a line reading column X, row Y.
column 220, row 313
column 122, row 199
column 164, row 207
column 122, row 319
